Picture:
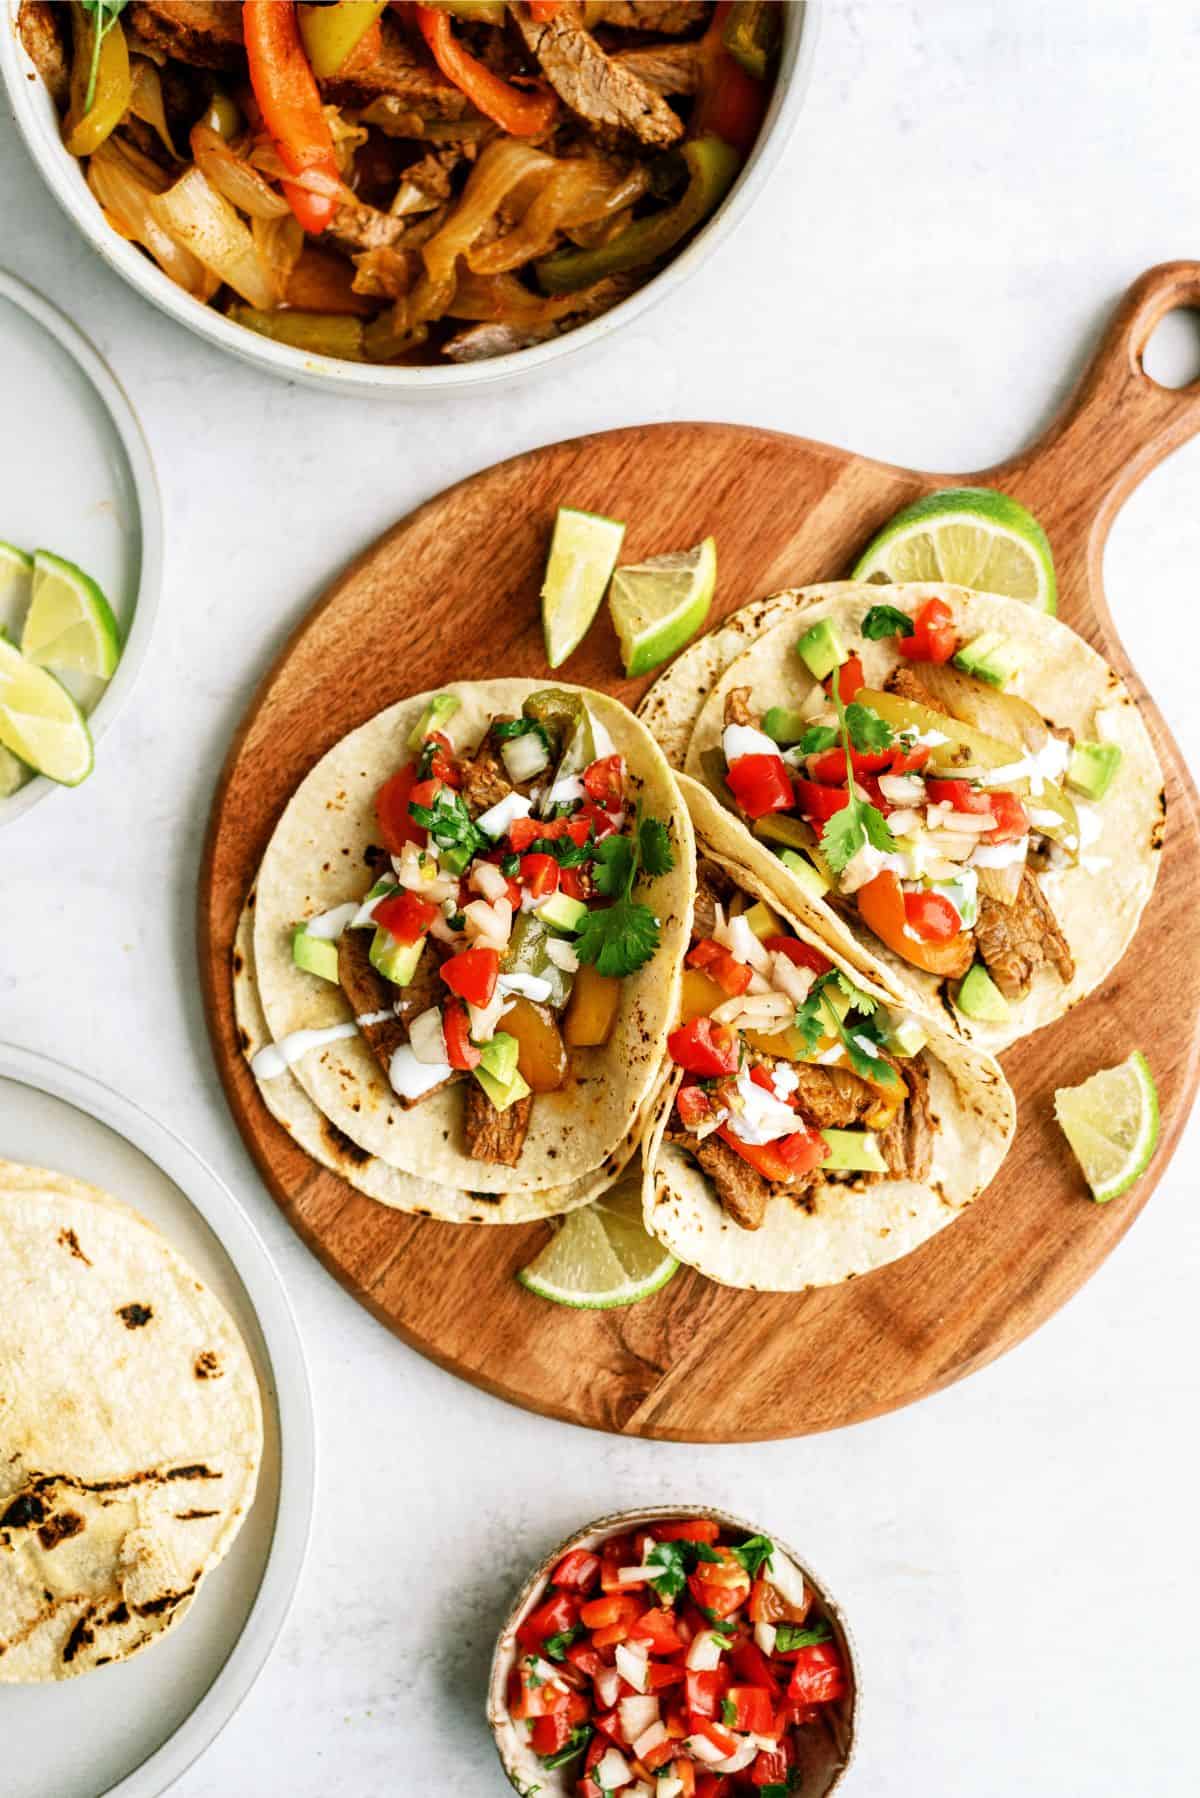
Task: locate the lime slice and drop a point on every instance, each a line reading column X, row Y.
column 583, row 554
column 70, row 623
column 659, row 605
column 1111, row 1122
column 971, row 537
column 16, row 580
column 40, row 722
column 13, row 774
column 601, row 1257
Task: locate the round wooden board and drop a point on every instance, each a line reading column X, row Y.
column 452, row 593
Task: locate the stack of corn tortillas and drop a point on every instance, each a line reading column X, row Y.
column 130, row 1429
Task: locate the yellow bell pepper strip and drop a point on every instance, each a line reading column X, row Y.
column 286, row 91
column 316, row 333
column 331, row 34
column 101, row 80
column 711, row 165
column 751, row 34
column 522, row 112
column 731, row 103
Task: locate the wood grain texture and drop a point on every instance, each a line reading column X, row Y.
column 452, row 593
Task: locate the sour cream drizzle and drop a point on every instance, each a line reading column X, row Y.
column 275, row 1058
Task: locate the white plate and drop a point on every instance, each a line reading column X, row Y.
column 130, row 1730
column 80, row 482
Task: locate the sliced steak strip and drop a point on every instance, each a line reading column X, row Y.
column 592, row 83
column 496, row 1136
column 713, row 887
column 1016, row 940
column 907, row 1143
column 485, row 780
column 44, row 35
column 905, row 684
column 832, row 1098
column 668, row 16
column 371, row 994
column 204, row 33
column 743, row 1192
column 667, row 68
column 738, row 709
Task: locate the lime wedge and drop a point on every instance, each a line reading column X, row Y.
column 1111, row 1122
column 16, row 581
column 13, row 774
column 70, row 623
column 657, row 606
column 601, row 1257
column 583, row 554
column 971, row 537
column 40, row 722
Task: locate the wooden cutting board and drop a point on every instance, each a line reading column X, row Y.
column 452, row 593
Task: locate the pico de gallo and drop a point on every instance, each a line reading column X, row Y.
column 680, row 1660
column 929, row 801
column 791, row 1073
column 505, row 916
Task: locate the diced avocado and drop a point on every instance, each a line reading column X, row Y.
column 562, row 912
column 397, row 962
column 1092, row 768
column 499, row 1057
column 991, row 657
column 820, row 649
column 854, row 1150
column 905, row 1036
column 806, row 873
column 527, row 954
column 979, row 997
column 315, row 954
column 501, row 1094
column 436, row 716
column 787, row 727
column 763, row 921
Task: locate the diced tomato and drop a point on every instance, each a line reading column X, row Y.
column 657, row 1627
column 539, row 873
column 932, row 916
column 749, row 1708
column 424, row 792
column 391, row 811
column 783, row 1160
column 704, row 1048
column 661, row 1674
column 655, row 1758
column 958, row 793
column 551, row 1733
column 716, row 1733
column 829, row 767
column 731, row 975
column 696, row 1107
column 524, row 831
column 881, row 908
column 849, row 678
column 441, row 764
column 574, row 883
column 529, row 1699
column 709, row 1785
column 578, row 1571
column 460, row 1050
column 472, row 974
column 1012, row 820
column 604, row 783
column 818, row 1676
column 608, row 1724
column 752, row 1666
column 908, row 761
column 601, row 823
column 560, row 1612
column 934, row 638
column 691, row 1529
column 801, row 955
column 760, row 1077
column 615, row 1607
column 772, row 1766
column 817, row 802
column 405, row 916
column 704, row 1691
column 760, row 784
column 585, row 1658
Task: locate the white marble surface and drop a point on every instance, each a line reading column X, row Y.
column 970, row 188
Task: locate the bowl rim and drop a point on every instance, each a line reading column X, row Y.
column 26, row 92
column 615, row 1523
column 125, row 422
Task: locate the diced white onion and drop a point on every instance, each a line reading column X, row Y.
column 633, row 1664
column 704, row 1652
column 763, row 1118
column 491, row 925
column 330, row 925
column 562, row 954
column 742, row 739
column 524, row 757
column 499, row 819
column 794, row 982
column 737, row 936
column 701, row 1749
column 764, row 1637
column 970, row 823
column 567, row 789
column 902, row 789
column 668, row 1786
column 611, row 1771
column 427, row 1038
column 487, row 879
column 743, row 1754
column 638, row 1716
column 607, row 1682
column 651, row 1738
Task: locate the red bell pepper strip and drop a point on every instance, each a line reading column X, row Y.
column 704, row 1048
column 473, row 975
column 760, row 784
column 544, row 10
column 801, row 955
column 391, row 811
column 781, row 1161
column 460, row 1050
column 290, row 102
column 520, row 112
column 731, row 104
column 405, row 916
column 881, row 908
column 934, row 638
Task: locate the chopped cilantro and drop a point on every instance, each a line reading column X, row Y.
column 654, row 844
column 580, row 1737
column 819, row 1017
column 449, row 823
column 791, row 1635
column 728, row 1712
column 554, row 1647
column 510, row 866
column 672, row 1558
column 858, row 823
column 567, row 854
column 867, row 729
column 887, row 621
column 753, row 1553
column 816, row 738
column 623, row 936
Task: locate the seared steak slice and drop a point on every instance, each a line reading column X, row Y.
column 738, row 709
column 402, row 68
column 592, row 83
column 497, row 1136
column 907, row 1143
column 1016, row 940
column 205, row 33
column 391, row 1009
column 669, row 16
column 713, row 888
column 832, row 1098
column 668, row 68
column 43, row 33
column 905, row 684
column 485, row 780
column 743, row 1192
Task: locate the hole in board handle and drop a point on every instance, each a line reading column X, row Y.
column 1172, row 356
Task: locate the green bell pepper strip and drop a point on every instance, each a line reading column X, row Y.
column 316, row 333
column 751, row 34
column 712, row 166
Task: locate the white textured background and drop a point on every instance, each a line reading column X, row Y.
column 970, row 188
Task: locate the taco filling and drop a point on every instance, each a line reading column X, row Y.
column 928, row 808
column 495, row 941
column 791, row 1072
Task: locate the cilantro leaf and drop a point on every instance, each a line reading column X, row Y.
column 867, row 729
column 654, row 846
column 580, row 1736
column 843, row 836
column 810, row 1017
column 728, row 1712
column 619, row 939
column 858, row 822
column 672, row 1558
column 567, row 854
column 816, row 738
column 887, row 621
column 753, row 1553
column 791, row 1635
column 878, row 834
column 614, row 866
column 859, row 1000
column 554, row 1647
column 449, row 823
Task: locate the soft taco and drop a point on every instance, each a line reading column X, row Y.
column 465, row 952
column 1003, row 830
column 808, row 1128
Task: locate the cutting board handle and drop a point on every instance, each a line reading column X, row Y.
column 1117, row 425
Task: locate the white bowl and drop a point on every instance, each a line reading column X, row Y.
column 826, row 1764
column 38, row 123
